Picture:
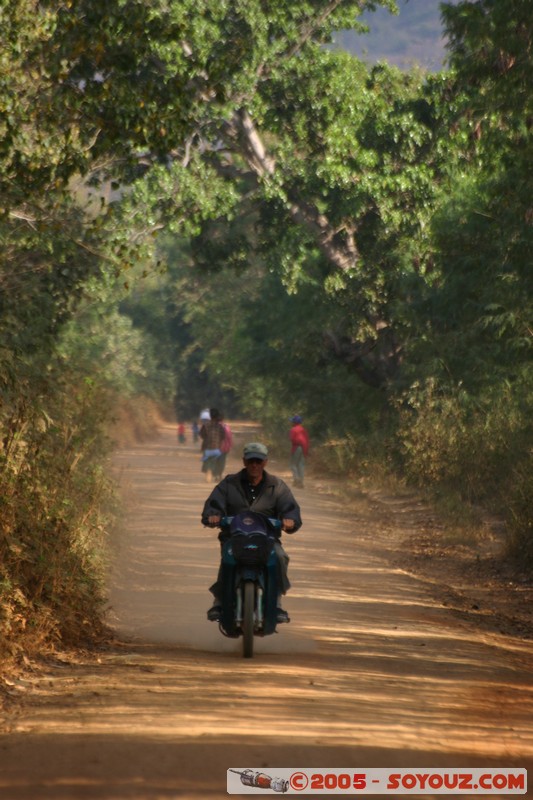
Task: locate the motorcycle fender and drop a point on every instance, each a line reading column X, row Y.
column 254, row 575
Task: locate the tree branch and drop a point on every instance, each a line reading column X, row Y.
column 312, row 26
column 340, row 250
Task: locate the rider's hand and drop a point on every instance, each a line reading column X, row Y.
column 213, row 521
column 287, row 524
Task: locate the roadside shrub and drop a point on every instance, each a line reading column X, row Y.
column 55, row 504
column 477, row 450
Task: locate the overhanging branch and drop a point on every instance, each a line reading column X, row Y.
column 338, row 247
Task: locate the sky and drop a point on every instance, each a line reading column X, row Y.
column 414, row 36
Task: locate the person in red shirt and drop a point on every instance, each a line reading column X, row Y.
column 299, row 450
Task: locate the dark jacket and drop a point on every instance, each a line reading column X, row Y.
column 275, row 499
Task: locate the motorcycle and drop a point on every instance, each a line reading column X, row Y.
column 249, row 576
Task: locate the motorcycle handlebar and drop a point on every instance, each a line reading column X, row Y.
column 225, row 522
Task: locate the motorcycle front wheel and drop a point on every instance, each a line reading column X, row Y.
column 248, row 619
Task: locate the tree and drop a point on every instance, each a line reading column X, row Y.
column 483, row 230
column 204, row 99
column 471, row 367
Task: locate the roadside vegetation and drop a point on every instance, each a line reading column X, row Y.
column 215, row 209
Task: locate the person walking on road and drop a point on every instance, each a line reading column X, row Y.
column 253, row 489
column 212, row 434
column 299, row 450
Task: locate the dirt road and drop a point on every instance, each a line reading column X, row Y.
column 371, row 672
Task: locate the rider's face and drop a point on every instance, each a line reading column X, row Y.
column 254, row 468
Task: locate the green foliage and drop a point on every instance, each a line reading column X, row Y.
column 490, row 48
column 484, row 306
column 468, row 431
column 100, row 338
column 244, row 332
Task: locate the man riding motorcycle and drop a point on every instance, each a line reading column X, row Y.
column 253, row 489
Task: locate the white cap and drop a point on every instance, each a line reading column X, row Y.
column 205, row 415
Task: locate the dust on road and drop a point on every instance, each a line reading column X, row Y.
column 371, row 672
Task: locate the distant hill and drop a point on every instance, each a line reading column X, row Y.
column 415, row 36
